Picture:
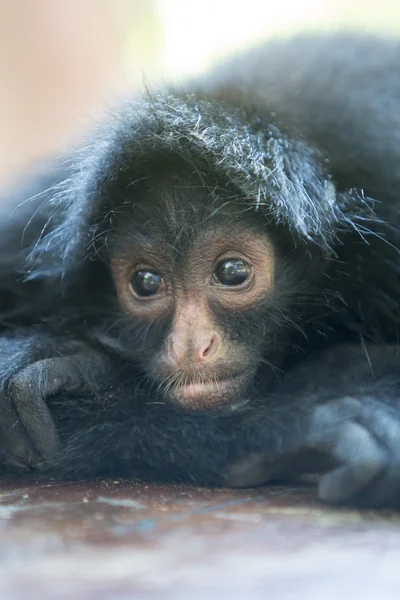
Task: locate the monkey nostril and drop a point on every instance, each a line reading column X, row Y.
column 205, row 350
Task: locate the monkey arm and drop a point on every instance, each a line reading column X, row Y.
column 343, row 419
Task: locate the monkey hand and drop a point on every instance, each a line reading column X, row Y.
column 28, row 436
column 355, row 443
column 362, row 436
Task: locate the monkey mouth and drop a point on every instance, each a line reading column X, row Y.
column 207, row 394
column 193, row 390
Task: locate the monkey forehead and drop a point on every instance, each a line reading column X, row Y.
column 178, row 212
column 177, row 196
column 190, row 246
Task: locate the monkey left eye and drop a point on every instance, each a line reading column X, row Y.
column 146, row 283
column 230, row 272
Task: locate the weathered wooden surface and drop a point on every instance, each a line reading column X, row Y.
column 123, row 540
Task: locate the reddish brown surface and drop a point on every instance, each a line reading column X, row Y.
column 118, row 540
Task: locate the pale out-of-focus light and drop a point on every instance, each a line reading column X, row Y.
column 196, row 33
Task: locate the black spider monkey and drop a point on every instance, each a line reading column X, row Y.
column 208, row 292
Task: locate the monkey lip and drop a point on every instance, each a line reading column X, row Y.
column 194, row 390
column 206, row 394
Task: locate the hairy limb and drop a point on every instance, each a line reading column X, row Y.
column 353, row 438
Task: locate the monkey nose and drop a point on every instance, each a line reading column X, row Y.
column 196, row 351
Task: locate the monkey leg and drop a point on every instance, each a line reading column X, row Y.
column 28, row 433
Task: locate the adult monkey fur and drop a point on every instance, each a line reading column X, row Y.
column 208, row 241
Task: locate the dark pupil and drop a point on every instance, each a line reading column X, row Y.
column 232, row 272
column 146, row 283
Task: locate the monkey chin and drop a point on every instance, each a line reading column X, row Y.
column 207, row 395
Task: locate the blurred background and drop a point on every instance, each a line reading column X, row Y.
column 61, row 61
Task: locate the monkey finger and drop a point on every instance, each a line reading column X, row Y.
column 252, row 471
column 259, row 468
column 14, row 441
column 336, row 411
column 29, row 400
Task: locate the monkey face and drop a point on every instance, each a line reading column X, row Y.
column 195, row 277
column 200, row 360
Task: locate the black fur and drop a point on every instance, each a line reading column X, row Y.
column 301, row 138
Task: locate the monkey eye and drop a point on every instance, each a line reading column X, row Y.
column 146, row 283
column 232, row 271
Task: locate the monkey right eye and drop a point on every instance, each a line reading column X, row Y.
column 146, row 283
